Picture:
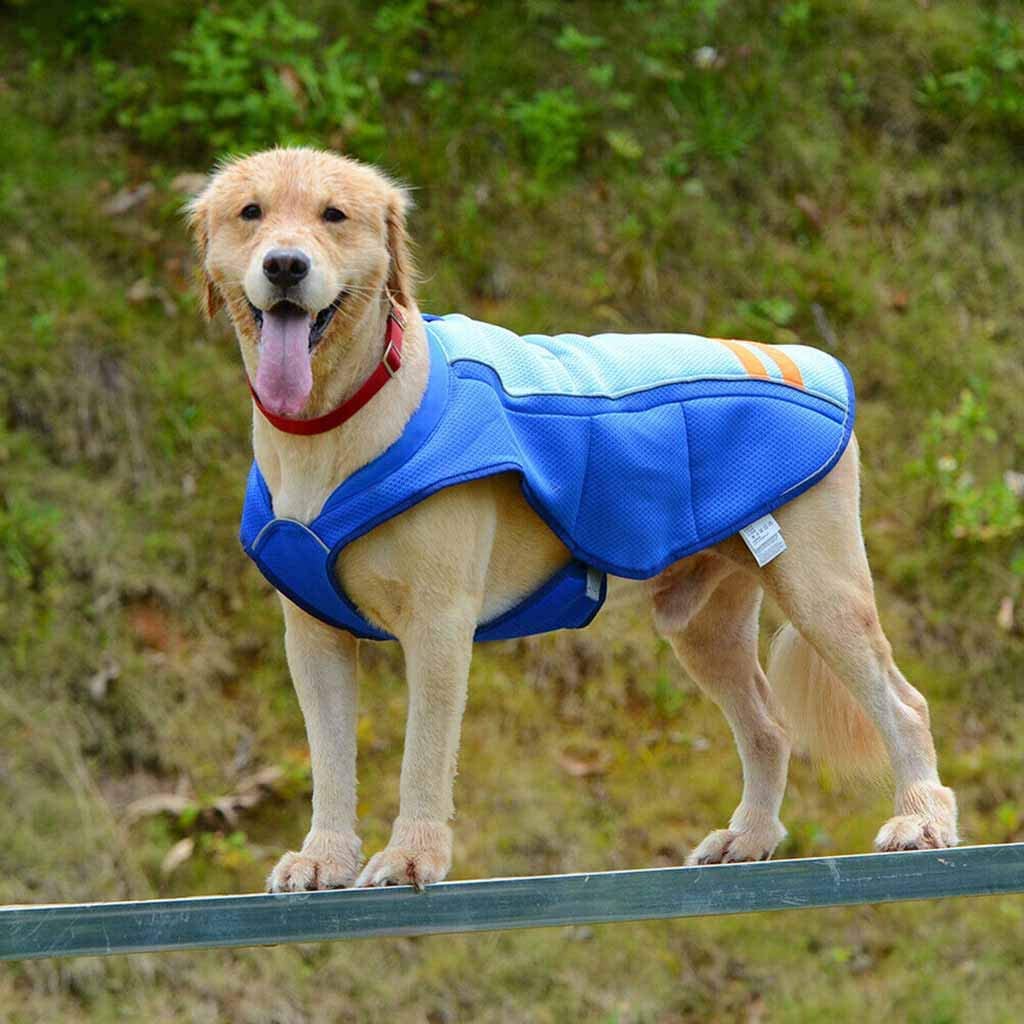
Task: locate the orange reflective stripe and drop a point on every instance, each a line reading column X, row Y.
column 790, row 371
column 751, row 364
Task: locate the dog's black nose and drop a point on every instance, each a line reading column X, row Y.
column 285, row 267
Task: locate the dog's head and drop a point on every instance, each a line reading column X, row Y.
column 298, row 243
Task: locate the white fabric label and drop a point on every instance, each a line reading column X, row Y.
column 593, row 584
column 764, row 538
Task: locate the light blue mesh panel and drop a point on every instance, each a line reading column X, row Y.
column 823, row 374
column 614, row 365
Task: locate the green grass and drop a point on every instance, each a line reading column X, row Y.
column 844, row 174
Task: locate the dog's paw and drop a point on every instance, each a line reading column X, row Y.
column 915, row 832
column 419, row 853
column 733, row 846
column 327, row 860
column 928, row 821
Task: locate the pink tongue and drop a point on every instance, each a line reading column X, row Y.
column 284, row 377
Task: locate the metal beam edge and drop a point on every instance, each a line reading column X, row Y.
column 76, row 929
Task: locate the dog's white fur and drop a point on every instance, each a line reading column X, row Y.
column 469, row 552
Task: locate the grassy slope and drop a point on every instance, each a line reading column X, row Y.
column 123, row 446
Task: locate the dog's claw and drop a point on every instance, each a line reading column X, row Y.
column 419, row 854
column 733, row 846
column 328, row 860
column 915, row 832
column 397, row 866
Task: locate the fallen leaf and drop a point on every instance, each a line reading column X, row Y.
column 189, row 183
column 706, row 57
column 144, row 289
column 756, row 1010
column 139, row 291
column 100, row 681
column 158, row 803
column 1015, row 482
column 265, row 778
column 153, row 628
column 127, row 199
column 293, row 84
column 585, row 765
column 177, row 855
column 1004, row 617
column 252, row 790
column 898, row 299
column 810, row 209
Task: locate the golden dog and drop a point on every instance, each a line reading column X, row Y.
column 327, row 234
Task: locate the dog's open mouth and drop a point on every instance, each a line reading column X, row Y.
column 288, row 336
column 290, row 310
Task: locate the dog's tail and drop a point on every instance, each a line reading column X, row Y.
column 821, row 716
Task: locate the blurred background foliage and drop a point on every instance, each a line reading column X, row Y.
column 845, row 174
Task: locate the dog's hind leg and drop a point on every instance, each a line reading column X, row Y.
column 716, row 642
column 837, row 649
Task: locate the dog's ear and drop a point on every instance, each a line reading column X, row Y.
column 198, row 217
column 401, row 274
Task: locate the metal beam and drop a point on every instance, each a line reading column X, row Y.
column 489, row 904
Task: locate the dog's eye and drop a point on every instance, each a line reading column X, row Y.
column 333, row 215
column 251, row 212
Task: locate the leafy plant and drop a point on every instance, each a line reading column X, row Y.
column 723, row 117
column 91, row 24
column 602, row 75
column 27, row 538
column 852, row 96
column 624, row 144
column 231, row 851
column 991, row 85
column 795, row 17
column 772, row 310
column 551, row 125
column 579, row 44
column 981, row 505
column 247, row 81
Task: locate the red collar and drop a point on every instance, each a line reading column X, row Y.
column 389, row 364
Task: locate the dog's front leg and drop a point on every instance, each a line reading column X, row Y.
column 323, row 664
column 438, row 650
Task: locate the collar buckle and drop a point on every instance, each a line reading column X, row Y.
column 392, row 359
column 396, row 313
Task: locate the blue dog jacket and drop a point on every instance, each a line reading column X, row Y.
column 636, row 450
